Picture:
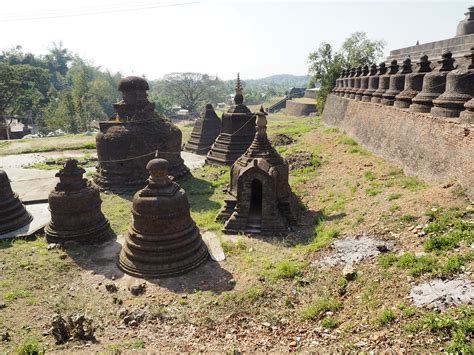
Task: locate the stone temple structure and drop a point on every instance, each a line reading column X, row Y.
column 237, row 132
column 129, row 140
column 459, row 45
column 259, row 199
column 364, row 83
column 162, row 239
column 413, row 83
column 459, row 90
column 205, row 131
column 350, row 83
column 434, row 84
column 397, row 83
column 356, row 83
column 13, row 214
column 75, row 209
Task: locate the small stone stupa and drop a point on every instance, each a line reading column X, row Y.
column 350, row 82
column 75, row 209
column 237, row 132
column 205, row 131
column 364, row 83
column 459, row 90
column 259, row 199
column 129, row 140
column 374, row 77
column 384, row 82
column 413, row 83
column 397, row 83
column 163, row 239
column 356, row 86
column 13, row 214
column 434, row 84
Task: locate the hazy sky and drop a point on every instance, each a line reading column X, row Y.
column 257, row 38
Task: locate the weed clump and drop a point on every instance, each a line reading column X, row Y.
column 319, row 306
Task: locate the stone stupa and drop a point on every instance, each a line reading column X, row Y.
column 205, row 131
column 75, row 207
column 130, row 139
column 237, row 132
column 13, row 214
column 259, row 198
column 162, row 239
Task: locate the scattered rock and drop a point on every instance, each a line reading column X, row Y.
column 5, row 336
column 354, row 249
column 300, row 159
column 74, row 327
column 2, row 305
column 52, row 246
column 137, row 290
column 112, row 288
column 293, row 344
column 134, row 317
column 349, row 272
column 117, row 301
column 281, row 139
column 441, row 294
column 232, row 282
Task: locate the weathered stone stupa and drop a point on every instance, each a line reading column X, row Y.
column 339, row 82
column 397, row 83
column 466, row 26
column 350, row 83
column 75, row 209
column 13, row 214
column 384, row 82
column 205, row 131
column 459, row 90
column 374, row 77
column 413, row 83
column 163, row 239
column 467, row 116
column 340, row 91
column 434, row 84
column 259, row 199
column 129, row 140
column 237, row 132
column 364, row 83
column 356, row 85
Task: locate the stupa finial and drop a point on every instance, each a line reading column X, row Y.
column 239, row 97
column 261, row 122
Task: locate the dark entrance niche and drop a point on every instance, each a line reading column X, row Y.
column 254, row 222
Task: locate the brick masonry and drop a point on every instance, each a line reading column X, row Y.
column 295, row 108
column 435, row 149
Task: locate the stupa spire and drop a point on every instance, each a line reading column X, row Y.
column 239, row 97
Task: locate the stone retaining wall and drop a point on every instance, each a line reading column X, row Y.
column 295, row 108
column 432, row 148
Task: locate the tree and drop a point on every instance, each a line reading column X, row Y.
column 22, row 88
column 191, row 91
column 327, row 64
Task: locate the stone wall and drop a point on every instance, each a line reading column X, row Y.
column 310, row 94
column 459, row 46
column 432, row 148
column 295, row 108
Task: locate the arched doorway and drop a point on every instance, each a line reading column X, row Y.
column 254, row 221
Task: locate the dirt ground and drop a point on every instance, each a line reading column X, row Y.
column 270, row 294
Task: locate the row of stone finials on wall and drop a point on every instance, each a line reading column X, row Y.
column 445, row 91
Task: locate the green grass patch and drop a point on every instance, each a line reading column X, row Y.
column 16, row 294
column 329, row 322
column 393, row 196
column 322, row 236
column 318, row 307
column 369, row 175
column 416, row 265
column 345, row 139
column 408, row 218
column 357, row 150
column 285, row 269
column 385, row 317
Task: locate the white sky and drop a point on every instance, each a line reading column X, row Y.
column 256, row 38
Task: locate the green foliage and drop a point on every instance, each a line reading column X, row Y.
column 29, row 347
column 394, row 196
column 344, row 139
column 329, row 322
column 417, row 265
column 319, row 306
column 322, row 236
column 286, row 269
column 447, row 228
column 408, row 218
column 326, row 64
column 385, row 317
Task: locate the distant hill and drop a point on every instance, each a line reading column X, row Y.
column 286, row 80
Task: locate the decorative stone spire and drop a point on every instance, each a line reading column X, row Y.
column 373, row 69
column 471, row 55
column 446, row 61
column 393, row 68
column 406, row 67
column 424, row 65
column 382, row 69
column 261, row 122
column 70, row 177
column 239, row 97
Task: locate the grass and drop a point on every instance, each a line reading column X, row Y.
column 329, row 322
column 416, row 265
column 57, row 164
column 322, row 236
column 38, row 145
column 394, row 196
column 284, row 269
column 447, row 229
column 345, row 139
column 29, row 347
column 385, row 317
column 126, row 345
column 320, row 306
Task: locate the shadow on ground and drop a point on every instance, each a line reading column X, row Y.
column 102, row 260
